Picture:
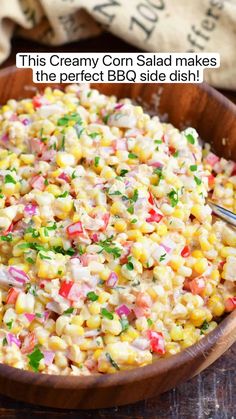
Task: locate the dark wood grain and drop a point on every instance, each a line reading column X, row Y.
column 209, row 395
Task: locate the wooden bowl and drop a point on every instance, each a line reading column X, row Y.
column 214, row 117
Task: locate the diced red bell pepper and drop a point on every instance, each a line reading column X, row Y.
column 157, row 342
column 233, row 173
column 37, row 146
column 197, row 286
column 154, row 216
column 185, row 252
column 12, row 296
column 230, row 304
column 37, row 182
column 151, row 199
column 29, row 343
column 75, row 229
column 172, row 150
column 65, row 288
column 8, row 230
column 37, row 101
column 211, row 180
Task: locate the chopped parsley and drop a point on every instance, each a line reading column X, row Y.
column 190, row 138
column 30, row 260
column 204, row 327
column 94, row 134
column 35, row 358
column 108, row 246
column 123, row 172
column 7, row 238
column 68, row 311
column 129, row 265
column 176, row 154
column 132, row 156
column 173, row 197
column 149, row 322
column 44, row 257
column 9, row 324
column 92, row 296
column 107, row 314
column 197, row 180
column 193, row 168
column 158, row 171
column 112, row 362
column 4, row 341
column 114, row 193
column 96, row 161
column 64, row 121
column 63, row 195
column 60, row 249
column 106, row 118
column 131, row 209
column 162, row 257
column 9, row 179
column 31, row 289
column 134, row 221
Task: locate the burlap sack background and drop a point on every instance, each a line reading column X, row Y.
column 152, row 25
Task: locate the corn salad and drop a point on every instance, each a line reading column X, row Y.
column 110, row 258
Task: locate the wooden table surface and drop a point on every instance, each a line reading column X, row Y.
column 209, row 395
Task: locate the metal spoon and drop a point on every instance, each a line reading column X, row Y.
column 223, row 213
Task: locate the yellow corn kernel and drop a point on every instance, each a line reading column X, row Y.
column 129, row 335
column 14, row 261
column 212, row 238
column 97, row 354
column 176, row 262
column 61, row 322
column 53, row 189
column 161, row 229
column 78, row 319
column 205, row 245
column 103, row 297
column 215, row 275
column 196, row 210
column 136, row 250
column 77, row 152
column 60, row 360
column 73, row 330
column 27, row 158
column 94, row 322
column 117, row 208
column 200, row 266
column 24, row 303
column 197, row 254
column 44, row 236
column 144, row 256
column 172, row 348
column 198, row 316
column 227, row 251
column 178, row 213
column 109, row 338
column 105, row 142
column 108, row 173
column 176, row 333
column 120, row 226
column 64, row 159
column 103, row 366
column 94, row 308
column 146, row 228
column 56, row 343
column 104, row 274
column 215, row 304
column 134, row 234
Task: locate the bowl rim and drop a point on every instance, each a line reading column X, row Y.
column 160, row 366
column 163, row 365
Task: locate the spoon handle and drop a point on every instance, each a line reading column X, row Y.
column 223, row 213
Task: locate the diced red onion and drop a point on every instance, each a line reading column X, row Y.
column 64, row 176
column 13, row 339
column 25, row 121
column 155, row 164
column 29, row 316
column 30, row 209
column 112, row 280
column 119, row 105
column 123, row 310
column 4, row 137
column 18, row 275
column 48, row 357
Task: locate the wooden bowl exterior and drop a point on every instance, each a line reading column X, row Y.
column 214, row 117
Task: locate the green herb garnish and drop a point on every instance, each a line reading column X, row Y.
column 107, row 314
column 7, row 238
column 35, row 358
column 110, row 247
column 64, row 121
column 92, row 296
column 113, row 363
column 68, row 311
column 173, row 196
column 190, row 138
column 9, row 324
column 96, row 161
column 9, row 179
column 132, row 156
column 193, row 167
column 197, row 180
